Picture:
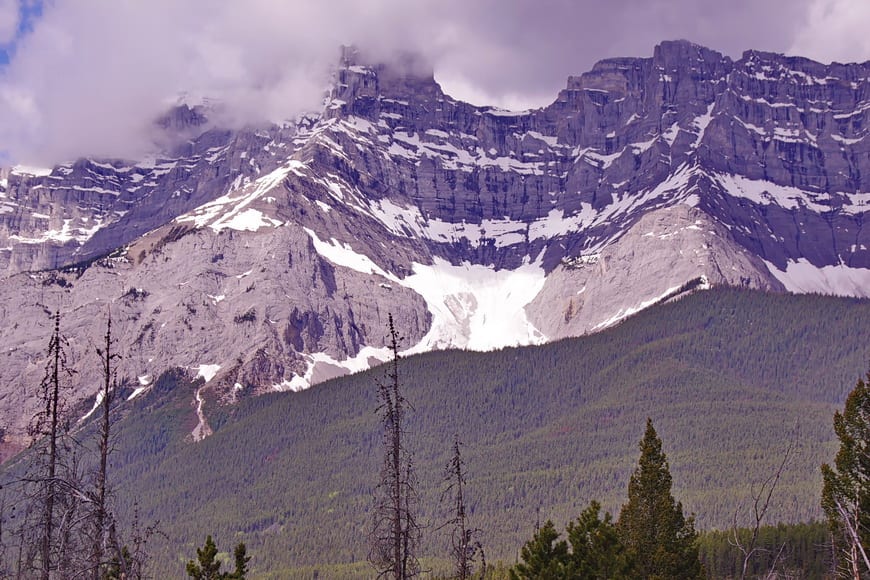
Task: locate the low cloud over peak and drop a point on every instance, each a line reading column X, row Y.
column 92, row 75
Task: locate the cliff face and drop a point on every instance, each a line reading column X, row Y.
column 269, row 257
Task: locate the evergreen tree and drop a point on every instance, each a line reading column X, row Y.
column 846, row 489
column 597, row 553
column 651, row 525
column 241, row 558
column 208, row 567
column 544, row 558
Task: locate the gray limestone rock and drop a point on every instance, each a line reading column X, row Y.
column 669, row 252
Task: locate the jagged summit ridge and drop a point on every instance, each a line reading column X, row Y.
column 268, row 257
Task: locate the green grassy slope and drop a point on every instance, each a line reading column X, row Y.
column 726, row 375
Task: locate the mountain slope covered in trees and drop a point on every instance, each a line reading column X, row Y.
column 730, row 378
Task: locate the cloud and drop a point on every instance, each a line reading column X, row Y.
column 834, row 30
column 92, row 75
column 9, row 19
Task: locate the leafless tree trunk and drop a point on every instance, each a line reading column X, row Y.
column 760, row 507
column 855, row 552
column 395, row 533
column 46, row 430
column 100, row 509
column 464, row 547
column 52, row 389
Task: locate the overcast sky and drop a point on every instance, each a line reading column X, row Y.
column 86, row 77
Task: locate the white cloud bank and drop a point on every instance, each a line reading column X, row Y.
column 93, row 74
column 834, row 30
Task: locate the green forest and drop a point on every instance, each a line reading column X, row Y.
column 731, row 379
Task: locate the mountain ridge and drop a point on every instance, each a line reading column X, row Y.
column 274, row 253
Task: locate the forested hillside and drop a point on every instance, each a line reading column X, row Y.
column 730, row 378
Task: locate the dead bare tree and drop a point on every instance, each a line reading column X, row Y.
column 48, row 430
column 130, row 562
column 100, row 530
column 396, row 532
column 854, row 551
column 66, row 530
column 463, row 545
column 760, row 506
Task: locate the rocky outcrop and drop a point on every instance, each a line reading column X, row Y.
column 667, row 253
column 247, row 310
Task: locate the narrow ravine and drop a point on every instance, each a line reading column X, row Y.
column 202, row 430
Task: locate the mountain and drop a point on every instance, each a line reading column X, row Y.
column 267, row 258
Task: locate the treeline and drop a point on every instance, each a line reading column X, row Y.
column 794, row 550
column 546, row 430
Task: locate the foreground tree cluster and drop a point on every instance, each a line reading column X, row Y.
column 652, row 538
column 66, row 526
column 846, row 490
column 62, row 524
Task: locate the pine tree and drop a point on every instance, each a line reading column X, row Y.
column 651, row 525
column 544, row 558
column 597, row 553
column 208, row 567
column 241, row 558
column 846, row 489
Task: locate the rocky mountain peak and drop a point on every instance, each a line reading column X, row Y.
column 679, row 54
column 359, row 81
column 183, row 117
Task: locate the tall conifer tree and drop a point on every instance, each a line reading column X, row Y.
column 846, row 489
column 652, row 526
column 596, row 550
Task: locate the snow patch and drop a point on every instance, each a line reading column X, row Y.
column 97, row 402
column 766, row 192
column 32, row 170
column 473, row 307
column 144, row 382
column 700, row 124
column 230, row 210
column 202, row 430
column 802, row 277
column 626, row 312
column 476, row 307
column 249, row 220
column 342, row 254
column 136, row 392
column 355, row 364
column 207, row 372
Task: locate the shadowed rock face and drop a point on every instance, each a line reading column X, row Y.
column 276, row 252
